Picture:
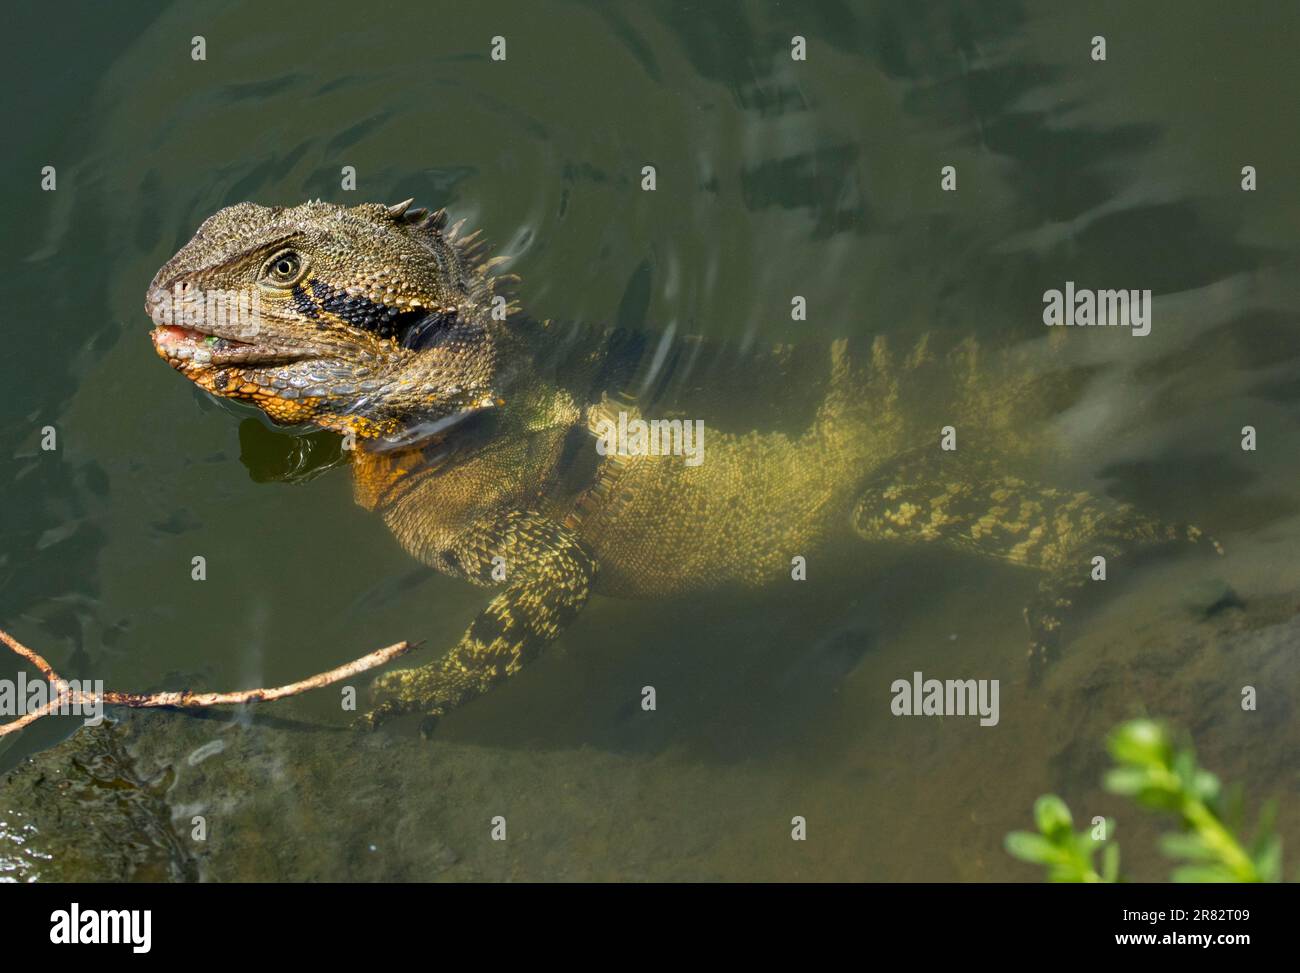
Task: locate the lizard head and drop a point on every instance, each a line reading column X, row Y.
column 368, row 319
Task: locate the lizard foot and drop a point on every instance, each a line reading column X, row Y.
column 420, row 690
column 1045, row 617
column 1044, row 641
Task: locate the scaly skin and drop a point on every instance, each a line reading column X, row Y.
column 472, row 430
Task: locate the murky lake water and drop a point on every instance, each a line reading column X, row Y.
column 775, row 178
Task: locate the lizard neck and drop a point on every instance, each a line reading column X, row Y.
column 518, row 442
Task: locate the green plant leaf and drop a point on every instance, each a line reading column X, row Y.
column 1203, row 873
column 1268, row 860
column 1184, row 766
column 1052, row 816
column 1144, row 743
column 1031, row 847
column 1065, row 873
column 1205, row 786
column 1126, row 781
column 1110, row 862
column 1186, row 845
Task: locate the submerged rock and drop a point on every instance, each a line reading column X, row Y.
column 82, row 812
column 260, row 795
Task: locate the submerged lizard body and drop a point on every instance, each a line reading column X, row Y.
column 473, row 432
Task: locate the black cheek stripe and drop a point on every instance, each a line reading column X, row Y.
column 305, row 305
column 361, row 312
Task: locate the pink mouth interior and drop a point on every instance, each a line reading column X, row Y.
column 172, row 335
column 175, row 336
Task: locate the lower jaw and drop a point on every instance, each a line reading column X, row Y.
column 238, row 385
column 238, row 381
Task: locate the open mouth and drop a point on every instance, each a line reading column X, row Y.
column 185, row 345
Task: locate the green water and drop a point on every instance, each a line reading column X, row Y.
column 775, row 178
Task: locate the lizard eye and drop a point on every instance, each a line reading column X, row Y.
column 284, row 268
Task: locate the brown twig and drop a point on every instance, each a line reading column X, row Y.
column 30, row 656
column 66, row 695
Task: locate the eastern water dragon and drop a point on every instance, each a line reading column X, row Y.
column 472, row 430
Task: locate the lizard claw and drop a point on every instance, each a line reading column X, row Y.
column 1044, row 637
column 381, row 714
column 402, row 692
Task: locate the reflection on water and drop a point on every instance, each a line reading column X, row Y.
column 775, row 178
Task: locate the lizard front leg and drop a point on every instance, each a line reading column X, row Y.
column 548, row 576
